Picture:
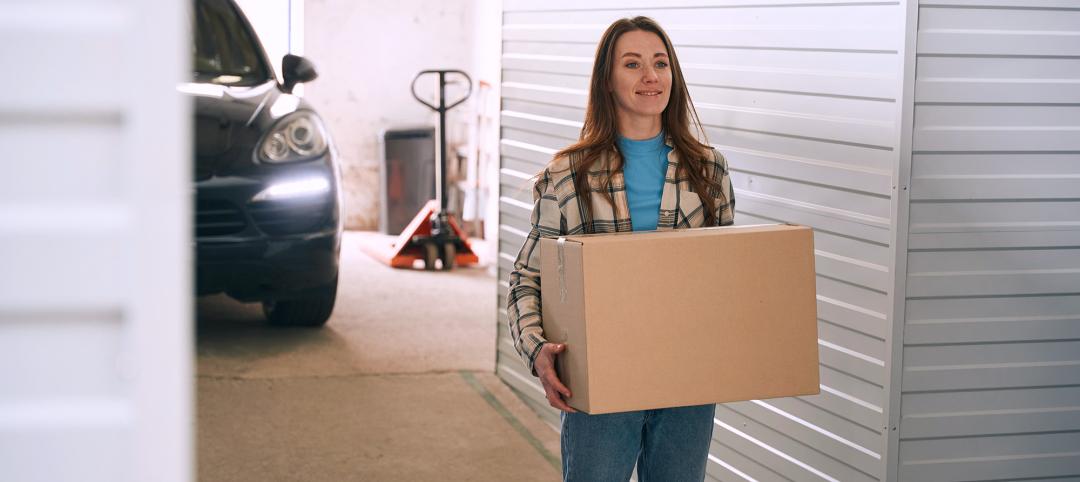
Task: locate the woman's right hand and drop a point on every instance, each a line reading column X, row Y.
column 545, row 369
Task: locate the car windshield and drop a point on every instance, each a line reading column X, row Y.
column 226, row 51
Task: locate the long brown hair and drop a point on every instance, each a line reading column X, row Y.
column 599, row 133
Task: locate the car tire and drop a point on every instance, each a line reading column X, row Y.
column 313, row 309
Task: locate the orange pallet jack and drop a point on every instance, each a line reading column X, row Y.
column 412, row 244
column 433, row 234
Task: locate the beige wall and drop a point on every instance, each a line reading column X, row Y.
column 367, row 53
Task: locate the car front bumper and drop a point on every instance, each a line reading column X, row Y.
column 266, row 269
column 257, row 251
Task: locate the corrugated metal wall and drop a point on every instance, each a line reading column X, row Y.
column 802, row 97
column 991, row 381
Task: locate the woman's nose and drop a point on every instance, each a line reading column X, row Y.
column 650, row 75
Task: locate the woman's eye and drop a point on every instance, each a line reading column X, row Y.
column 661, row 64
column 632, row 65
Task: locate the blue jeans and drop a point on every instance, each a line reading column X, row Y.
column 670, row 444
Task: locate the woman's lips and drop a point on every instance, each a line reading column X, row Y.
column 649, row 92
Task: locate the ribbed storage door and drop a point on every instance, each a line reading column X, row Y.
column 991, row 384
column 803, row 98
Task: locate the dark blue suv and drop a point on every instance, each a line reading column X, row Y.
column 267, row 180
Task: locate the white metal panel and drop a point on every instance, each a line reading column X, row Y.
column 991, row 361
column 1019, row 30
column 89, row 342
column 70, row 50
column 723, row 461
column 82, row 167
column 1021, row 176
column 158, row 307
column 971, row 413
column 996, row 127
column 802, row 98
column 993, row 319
column 987, row 79
column 94, row 243
column 1023, row 456
column 59, row 270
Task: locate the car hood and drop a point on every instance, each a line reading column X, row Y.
column 230, row 122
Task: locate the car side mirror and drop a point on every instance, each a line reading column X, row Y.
column 296, row 70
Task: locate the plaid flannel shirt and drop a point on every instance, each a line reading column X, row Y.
column 558, row 212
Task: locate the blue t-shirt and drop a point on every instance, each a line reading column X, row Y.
column 644, row 167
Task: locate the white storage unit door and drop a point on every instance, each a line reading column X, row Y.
column 803, row 99
column 95, row 322
column 991, row 382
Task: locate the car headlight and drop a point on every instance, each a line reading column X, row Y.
column 298, row 137
column 296, row 188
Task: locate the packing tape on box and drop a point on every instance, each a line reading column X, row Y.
column 562, row 269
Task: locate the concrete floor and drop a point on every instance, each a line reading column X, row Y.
column 397, row 386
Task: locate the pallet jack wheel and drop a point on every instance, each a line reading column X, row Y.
column 449, row 255
column 431, row 253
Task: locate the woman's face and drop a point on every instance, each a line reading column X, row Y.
column 640, row 75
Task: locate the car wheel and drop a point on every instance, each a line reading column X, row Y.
column 310, row 310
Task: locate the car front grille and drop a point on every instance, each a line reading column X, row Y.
column 217, row 218
column 290, row 216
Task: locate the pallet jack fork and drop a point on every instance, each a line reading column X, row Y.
column 417, row 242
column 433, row 234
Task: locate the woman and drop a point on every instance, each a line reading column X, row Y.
column 637, row 166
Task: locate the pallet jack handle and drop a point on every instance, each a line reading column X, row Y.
column 441, row 109
column 442, row 89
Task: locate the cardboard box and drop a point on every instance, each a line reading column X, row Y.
column 687, row 317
